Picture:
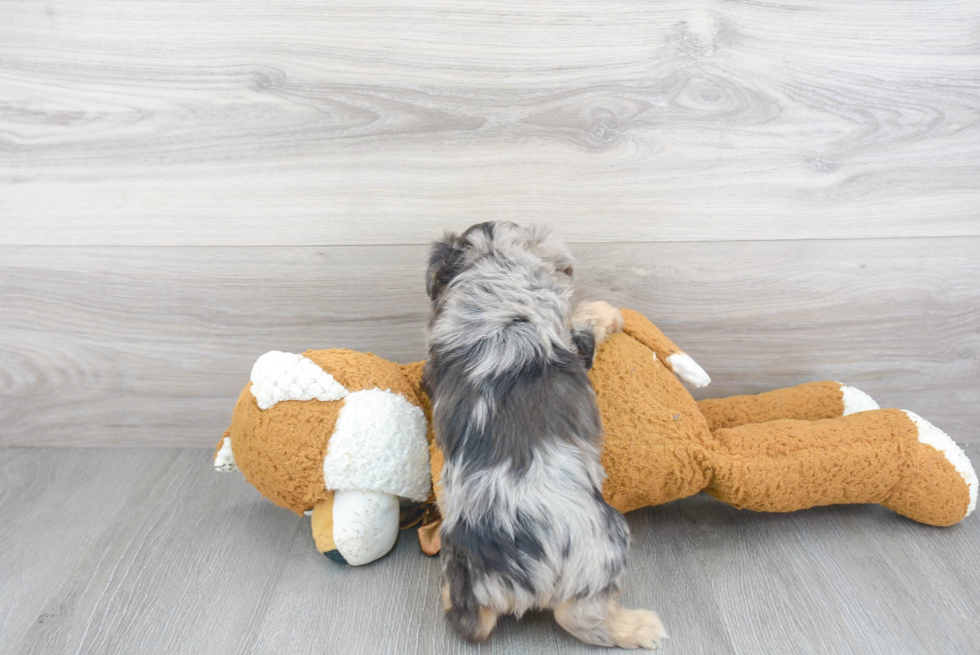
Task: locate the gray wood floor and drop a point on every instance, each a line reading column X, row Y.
column 150, row 551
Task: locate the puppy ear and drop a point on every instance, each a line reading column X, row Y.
column 445, row 261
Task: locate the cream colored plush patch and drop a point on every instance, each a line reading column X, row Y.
column 688, row 370
column 278, row 376
column 379, row 444
column 856, row 401
column 224, row 460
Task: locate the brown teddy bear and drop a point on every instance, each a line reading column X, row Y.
column 347, row 435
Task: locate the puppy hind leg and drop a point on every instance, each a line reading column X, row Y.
column 600, row 620
column 469, row 619
column 472, row 622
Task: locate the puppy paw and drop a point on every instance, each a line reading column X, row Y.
column 637, row 629
column 598, row 316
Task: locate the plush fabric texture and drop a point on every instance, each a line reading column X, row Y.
column 640, row 328
column 871, row 457
column 413, row 373
column 653, row 429
column 224, row 459
column 321, row 522
column 688, row 370
column 278, row 376
column 784, row 465
column 856, row 400
column 777, row 451
column 356, row 371
column 281, row 450
column 378, row 444
column 365, row 525
column 930, row 435
column 807, row 402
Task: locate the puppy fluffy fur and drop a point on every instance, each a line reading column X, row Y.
column 524, row 522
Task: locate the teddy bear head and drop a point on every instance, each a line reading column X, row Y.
column 327, row 420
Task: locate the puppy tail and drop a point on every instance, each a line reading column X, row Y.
column 470, row 620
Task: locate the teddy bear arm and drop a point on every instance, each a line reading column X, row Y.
column 683, row 365
column 643, row 330
column 810, row 402
column 888, row 456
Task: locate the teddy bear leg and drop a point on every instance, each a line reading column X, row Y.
column 355, row 526
column 929, row 492
column 807, row 402
column 887, row 456
column 666, row 351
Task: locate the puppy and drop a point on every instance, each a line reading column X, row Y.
column 524, row 522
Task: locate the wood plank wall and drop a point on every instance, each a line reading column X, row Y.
column 791, row 189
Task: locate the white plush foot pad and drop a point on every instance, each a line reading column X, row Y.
column 365, row 524
column 856, row 400
column 225, row 459
column 931, row 435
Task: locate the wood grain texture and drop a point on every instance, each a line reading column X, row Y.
column 842, row 593
column 152, row 346
column 148, row 550
column 300, row 123
column 53, row 505
column 177, row 569
column 666, row 576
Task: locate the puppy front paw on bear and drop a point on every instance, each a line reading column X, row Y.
column 346, row 436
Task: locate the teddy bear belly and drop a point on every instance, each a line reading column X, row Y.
column 653, row 429
column 653, row 476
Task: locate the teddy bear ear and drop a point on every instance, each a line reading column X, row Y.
column 445, row 261
column 278, row 376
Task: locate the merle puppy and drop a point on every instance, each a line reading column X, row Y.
column 524, row 522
